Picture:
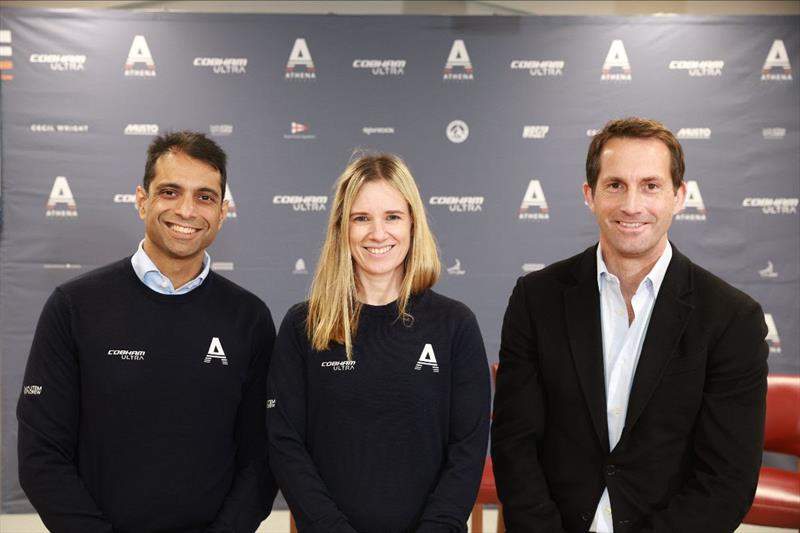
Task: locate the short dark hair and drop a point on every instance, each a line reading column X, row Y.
column 195, row 145
column 635, row 128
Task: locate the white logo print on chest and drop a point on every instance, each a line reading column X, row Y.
column 427, row 358
column 215, row 351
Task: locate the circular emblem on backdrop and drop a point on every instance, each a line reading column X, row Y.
column 457, row 131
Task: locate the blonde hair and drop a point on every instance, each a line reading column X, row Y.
column 333, row 310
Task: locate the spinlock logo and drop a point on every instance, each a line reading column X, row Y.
column 694, row 133
column 298, row 130
column 215, row 352
column 300, row 267
column 773, row 133
column 6, row 53
column 32, row 390
column 300, row 65
column 127, row 355
column 535, row 132
column 427, row 358
column 456, row 269
column 777, row 66
column 459, row 204
column 380, row 130
column 231, row 203
column 140, row 61
column 271, row 403
column 616, row 67
column 458, row 66
column 60, row 128
column 773, row 338
column 694, row 202
column 698, row 67
column 537, row 67
column 381, row 67
column 220, row 130
column 339, row 366
column 222, row 65
column 141, row 129
column 61, row 62
column 773, row 206
column 768, row 272
column 301, row 203
column 534, row 199
column 61, row 202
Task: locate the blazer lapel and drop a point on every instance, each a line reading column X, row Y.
column 582, row 311
column 668, row 321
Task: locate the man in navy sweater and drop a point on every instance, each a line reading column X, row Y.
column 144, row 396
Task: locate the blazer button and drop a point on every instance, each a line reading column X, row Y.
column 611, row 470
column 585, row 517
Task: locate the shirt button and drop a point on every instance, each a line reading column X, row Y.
column 163, row 284
column 611, row 470
column 607, row 510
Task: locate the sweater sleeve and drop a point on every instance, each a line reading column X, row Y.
column 49, row 417
column 448, row 506
column 304, row 490
column 250, row 498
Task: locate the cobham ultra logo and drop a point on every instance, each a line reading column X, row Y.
column 458, row 66
column 231, row 202
column 140, row 62
column 300, row 65
column 61, row 202
column 777, row 66
column 222, row 65
column 539, row 68
column 534, row 204
column 459, row 204
column 61, row 62
column 697, row 68
column 381, row 67
column 773, row 339
column 301, row 203
column 693, row 207
column 773, row 206
column 616, row 67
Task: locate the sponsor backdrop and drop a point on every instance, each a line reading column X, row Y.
column 492, row 114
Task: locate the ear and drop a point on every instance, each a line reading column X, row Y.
column 588, row 196
column 224, row 213
column 680, row 198
column 141, row 198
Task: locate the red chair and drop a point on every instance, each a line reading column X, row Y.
column 777, row 501
column 487, row 493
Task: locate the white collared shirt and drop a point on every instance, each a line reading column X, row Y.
column 622, row 346
column 150, row 275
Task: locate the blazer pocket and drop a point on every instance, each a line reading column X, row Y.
column 683, row 363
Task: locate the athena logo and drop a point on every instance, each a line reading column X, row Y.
column 534, row 198
column 458, row 59
column 300, row 267
column 300, row 65
column 773, row 339
column 215, row 351
column 777, row 66
column 457, row 131
column 616, row 66
column 427, row 358
column 140, row 60
column 456, row 269
column 231, row 202
column 61, row 202
column 693, row 201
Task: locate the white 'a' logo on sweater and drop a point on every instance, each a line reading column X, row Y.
column 427, row 358
column 215, row 351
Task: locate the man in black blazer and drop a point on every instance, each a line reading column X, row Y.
column 631, row 388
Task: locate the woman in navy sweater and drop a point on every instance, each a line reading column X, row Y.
column 378, row 409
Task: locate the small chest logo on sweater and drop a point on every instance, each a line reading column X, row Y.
column 215, row 352
column 427, row 358
column 127, row 355
column 339, row 366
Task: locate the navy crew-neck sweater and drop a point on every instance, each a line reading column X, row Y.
column 143, row 412
column 392, row 441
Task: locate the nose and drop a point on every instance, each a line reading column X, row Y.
column 632, row 202
column 378, row 230
column 185, row 207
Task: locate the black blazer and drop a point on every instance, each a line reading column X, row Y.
column 689, row 455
